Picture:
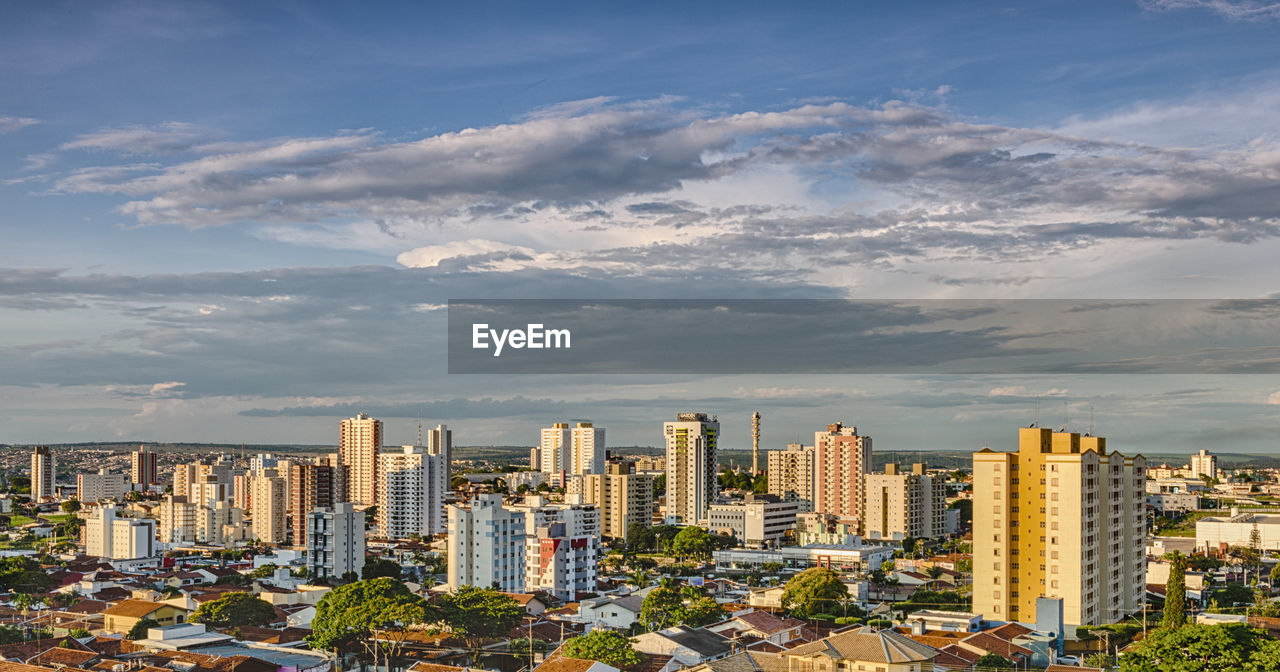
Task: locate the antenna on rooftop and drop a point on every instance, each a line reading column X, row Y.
column 1037, row 411
column 1091, row 419
column 419, row 429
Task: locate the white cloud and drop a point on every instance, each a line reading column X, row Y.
column 1274, row 399
column 1021, row 391
column 1237, row 10
column 12, row 124
column 163, row 138
column 166, row 388
column 431, row 256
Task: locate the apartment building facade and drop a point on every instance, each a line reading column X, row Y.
column 411, row 488
column 901, row 504
column 486, row 545
column 791, row 474
column 691, row 463
column 842, row 458
column 359, row 442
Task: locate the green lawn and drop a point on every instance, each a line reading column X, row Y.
column 56, row 518
column 1185, row 527
column 17, row 519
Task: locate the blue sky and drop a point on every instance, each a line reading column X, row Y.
column 159, row 163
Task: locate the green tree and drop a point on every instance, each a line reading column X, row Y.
column 71, row 506
column 1175, row 600
column 477, row 614
column 350, row 615
column 605, row 646
column 1229, row 647
column 815, row 590
column 233, row 610
column 640, row 537
column 662, row 608
column 1233, row 594
column 1275, row 574
column 377, row 567
column 760, row 486
column 692, row 542
column 908, row 545
column 702, row 611
column 264, row 572
column 993, row 661
column 23, row 575
column 139, row 629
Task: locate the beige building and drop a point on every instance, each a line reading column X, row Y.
column 311, row 487
column 43, row 468
column 862, row 649
column 270, row 504
column 622, row 497
column 901, row 504
column 1204, row 463
column 691, row 466
column 359, row 440
column 142, row 466
column 411, row 489
column 1061, row 517
column 791, row 474
column 842, row 458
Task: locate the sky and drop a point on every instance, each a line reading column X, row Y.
column 238, row 222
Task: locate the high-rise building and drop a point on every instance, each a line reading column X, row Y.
column 113, row 538
column 691, row 466
column 178, row 520
column 270, row 500
column 189, row 479
column 142, row 466
column 93, row 487
column 900, row 505
column 314, row 486
column 1204, row 464
column 411, row 489
column 535, row 458
column 486, row 545
column 360, row 439
column 1062, row 518
column 791, row 474
column 562, row 548
column 623, row 498
column 571, row 450
column 841, row 459
column 335, row 541
column 43, row 467
column 439, row 441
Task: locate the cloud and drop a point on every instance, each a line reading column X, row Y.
column 433, row 255
column 1021, row 391
column 169, row 137
column 12, row 124
column 1274, row 399
column 1236, row 10
column 166, row 389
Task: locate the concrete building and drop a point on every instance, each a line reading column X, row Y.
column 1174, row 502
column 1237, row 530
column 411, row 488
column 900, row 505
column 202, row 481
column 486, row 545
column 562, row 548
column 691, row 464
column 270, row 506
column 842, row 458
column 335, row 541
column 565, row 450
column 439, row 441
column 1204, row 464
column 759, row 522
column 43, row 478
column 791, row 474
column 314, row 486
column 826, row 528
column 623, row 498
column 844, row 557
column 112, row 538
column 142, row 467
column 359, row 440
column 1059, row 518
column 99, row 486
column 177, row 519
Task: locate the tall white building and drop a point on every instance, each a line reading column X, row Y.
column 486, row 545
column 691, row 466
column 411, row 489
column 1204, row 463
column 757, row 522
column 439, row 441
column 571, row 450
column 94, row 487
column 43, row 466
column 562, row 548
column 270, row 504
column 359, row 440
column 112, row 538
column 335, row 541
column 790, row 474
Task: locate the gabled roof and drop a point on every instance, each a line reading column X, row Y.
column 700, row 640
column 992, row 644
column 59, row 657
column 1009, row 631
column 870, row 645
column 766, row 622
column 748, row 661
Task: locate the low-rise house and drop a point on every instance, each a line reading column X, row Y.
column 760, row 625
column 617, row 613
column 862, row 649
column 123, row 616
column 688, row 646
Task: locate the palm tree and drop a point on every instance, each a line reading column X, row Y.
column 641, row 578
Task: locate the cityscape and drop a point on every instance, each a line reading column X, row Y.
column 1056, row 554
column 659, row 336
